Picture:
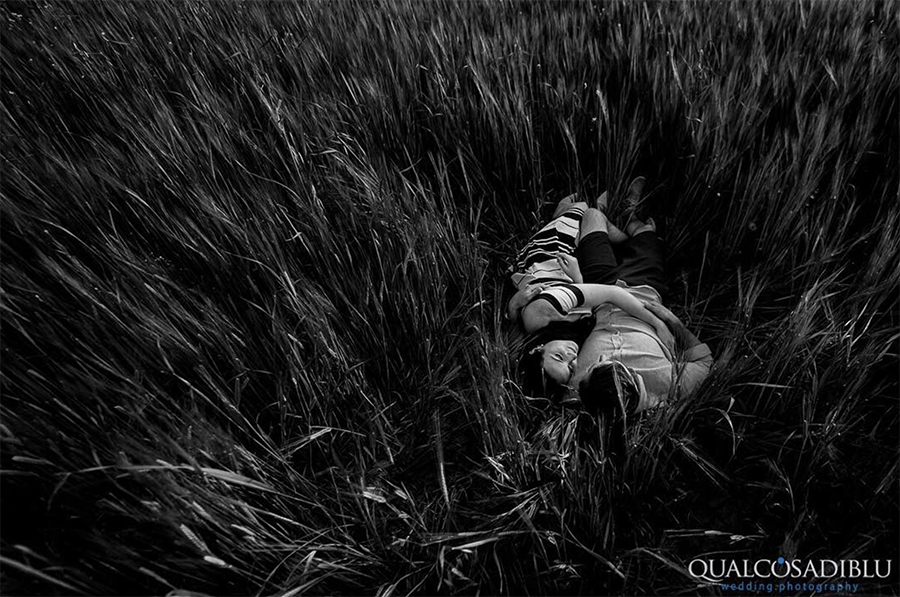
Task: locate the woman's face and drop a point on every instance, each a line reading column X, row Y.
column 559, row 359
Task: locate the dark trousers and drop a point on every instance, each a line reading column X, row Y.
column 639, row 260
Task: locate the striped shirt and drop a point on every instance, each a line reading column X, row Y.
column 565, row 298
column 536, row 263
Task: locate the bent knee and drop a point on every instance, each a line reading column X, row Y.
column 593, row 220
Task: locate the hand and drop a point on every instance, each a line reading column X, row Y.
column 667, row 316
column 569, row 265
column 666, row 337
column 523, row 297
column 684, row 336
column 531, row 292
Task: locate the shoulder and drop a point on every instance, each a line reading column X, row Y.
column 538, row 314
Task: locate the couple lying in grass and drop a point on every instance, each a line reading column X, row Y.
column 589, row 296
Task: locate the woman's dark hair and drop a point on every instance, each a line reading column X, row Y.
column 531, row 369
column 534, row 381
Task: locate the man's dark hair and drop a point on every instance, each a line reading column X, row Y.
column 531, row 371
column 612, row 393
column 610, row 388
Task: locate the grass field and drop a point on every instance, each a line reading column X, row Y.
column 253, row 279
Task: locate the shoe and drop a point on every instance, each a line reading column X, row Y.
column 602, row 202
column 634, row 200
column 571, row 402
column 644, row 226
column 635, row 191
column 563, row 204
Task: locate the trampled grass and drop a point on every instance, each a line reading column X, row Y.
column 253, row 276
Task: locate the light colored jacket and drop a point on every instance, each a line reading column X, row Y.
column 622, row 337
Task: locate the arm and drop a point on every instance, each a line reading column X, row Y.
column 561, row 300
column 697, row 357
column 698, row 362
column 538, row 314
column 557, row 303
column 683, row 336
column 597, row 294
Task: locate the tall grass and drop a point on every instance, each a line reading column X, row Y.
column 252, row 281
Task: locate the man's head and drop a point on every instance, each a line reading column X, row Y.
column 610, row 384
